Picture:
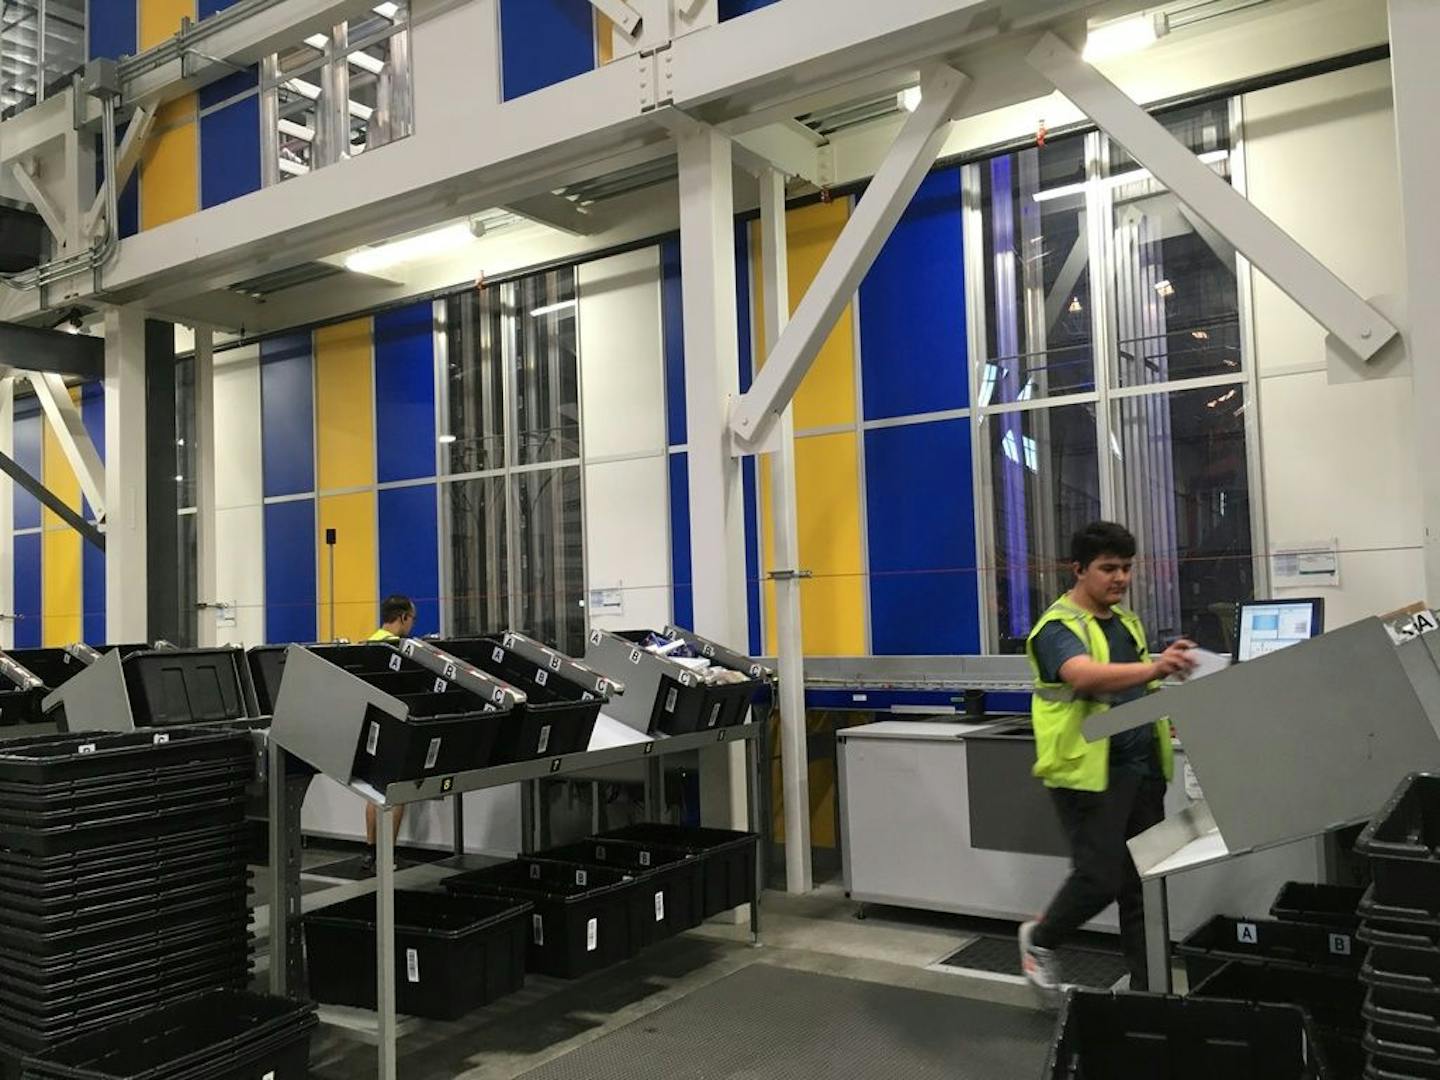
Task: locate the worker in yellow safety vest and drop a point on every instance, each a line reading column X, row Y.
column 1088, row 653
column 397, row 619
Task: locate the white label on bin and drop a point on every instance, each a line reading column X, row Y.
column 66, row 658
column 708, row 650
column 412, row 965
column 372, row 739
column 1247, row 934
column 594, row 637
column 450, row 670
column 408, row 648
column 555, row 663
column 395, row 662
column 582, row 878
column 635, row 656
column 1340, row 944
column 714, row 715
column 534, row 871
column 268, row 1076
column 544, row 743
column 601, row 853
column 508, row 641
column 431, row 753
column 440, row 686
column 587, row 696
column 754, row 671
column 86, row 748
column 542, row 677
column 644, row 858
column 671, row 697
column 497, row 654
column 161, row 738
column 685, row 679
column 660, row 906
column 592, row 935
column 498, row 694
column 537, row 928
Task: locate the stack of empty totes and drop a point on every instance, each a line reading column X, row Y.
column 123, row 881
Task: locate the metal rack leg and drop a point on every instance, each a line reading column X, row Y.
column 280, row 898
column 458, row 828
column 385, row 941
column 1157, row 934
column 752, row 777
column 527, row 817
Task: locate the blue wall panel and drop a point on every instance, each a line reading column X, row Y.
column 672, row 315
column 27, row 592
column 29, row 428
column 232, row 86
column 743, row 329
column 543, row 42
column 912, row 309
column 680, row 577
column 923, row 585
column 405, row 393
column 752, row 557
column 410, row 553
column 730, row 9
column 230, row 152
column 290, row 595
column 92, row 573
column 112, row 27
column 287, row 415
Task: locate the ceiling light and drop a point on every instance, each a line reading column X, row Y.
column 550, row 309
column 1123, row 36
column 387, row 10
column 427, row 245
column 317, row 41
column 1075, row 306
column 365, row 62
column 1200, row 335
column 1164, row 288
column 446, row 440
column 908, row 99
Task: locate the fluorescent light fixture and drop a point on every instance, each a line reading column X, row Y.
column 365, row 62
column 1200, row 335
column 296, row 131
column 1164, row 288
column 387, row 10
column 1134, row 176
column 908, row 99
column 426, row 245
column 550, row 309
column 446, row 440
column 1075, row 306
column 1124, row 36
column 317, row 41
column 293, row 168
column 305, row 89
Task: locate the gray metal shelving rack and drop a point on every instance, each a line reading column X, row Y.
column 316, row 727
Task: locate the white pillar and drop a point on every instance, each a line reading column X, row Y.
column 790, row 648
column 207, row 585
column 717, row 512
column 7, row 515
column 126, row 601
column 1414, row 28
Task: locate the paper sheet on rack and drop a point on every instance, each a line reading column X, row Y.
column 610, row 733
column 1207, row 663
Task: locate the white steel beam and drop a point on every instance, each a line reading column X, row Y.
column 790, row 648
column 625, row 17
column 207, row 584
column 856, row 249
column 790, row 147
column 126, row 577
column 1414, row 29
column 557, row 212
column 43, row 206
column 68, row 425
column 127, row 159
column 1301, row 276
column 717, row 497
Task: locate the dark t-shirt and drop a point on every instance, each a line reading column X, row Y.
column 1057, row 643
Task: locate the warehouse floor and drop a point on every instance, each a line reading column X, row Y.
column 815, row 935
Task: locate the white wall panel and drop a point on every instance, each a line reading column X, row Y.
column 622, row 370
column 627, row 540
column 492, row 818
column 240, row 573
column 238, row 479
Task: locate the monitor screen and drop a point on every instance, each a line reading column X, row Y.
column 1266, row 626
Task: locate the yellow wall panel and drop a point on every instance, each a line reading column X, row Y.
column 832, row 603
column 170, row 165
column 357, row 574
column 60, row 560
column 160, row 19
column 827, row 396
column 604, row 39
column 345, row 406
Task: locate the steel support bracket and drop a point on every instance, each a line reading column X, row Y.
column 1304, row 278
column 70, row 432
column 889, row 193
column 657, row 86
column 620, row 13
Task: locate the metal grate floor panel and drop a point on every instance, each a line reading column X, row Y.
column 770, row 1023
column 1095, row 968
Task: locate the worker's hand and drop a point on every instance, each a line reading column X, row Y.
column 1176, row 660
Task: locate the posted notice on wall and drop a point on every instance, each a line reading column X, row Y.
column 1300, row 565
column 608, row 601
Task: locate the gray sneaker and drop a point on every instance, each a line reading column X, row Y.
column 1040, row 966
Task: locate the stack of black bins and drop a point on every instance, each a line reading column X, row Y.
column 727, row 859
column 584, row 918
column 267, row 667
column 447, row 728
column 669, row 896
column 1400, row 921
column 558, row 716
column 123, row 883
column 214, row 1035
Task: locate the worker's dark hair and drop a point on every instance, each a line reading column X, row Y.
column 396, row 607
column 1101, row 538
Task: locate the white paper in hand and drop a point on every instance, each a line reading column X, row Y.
column 1206, row 663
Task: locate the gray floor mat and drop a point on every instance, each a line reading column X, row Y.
column 769, row 1023
column 1001, row 956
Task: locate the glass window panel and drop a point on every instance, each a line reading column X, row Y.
column 546, row 373
column 479, row 568
column 187, row 590
column 19, row 46
column 1037, row 274
column 1045, row 483
column 1177, row 299
column 475, row 375
column 1185, row 494
column 551, row 561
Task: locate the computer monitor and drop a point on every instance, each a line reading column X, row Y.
column 1266, row 626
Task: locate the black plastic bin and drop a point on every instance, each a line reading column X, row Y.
column 728, row 858
column 185, row 686
column 218, row 1035
column 1324, row 905
column 672, row 896
column 267, row 668
column 45, row 759
column 558, row 716
column 1387, row 1060
column 1110, row 1036
column 1298, row 946
column 1332, row 1000
column 1402, row 843
column 583, row 918
column 701, row 706
column 427, row 742
column 1403, row 957
column 453, row 953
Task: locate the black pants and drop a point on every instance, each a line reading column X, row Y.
column 1097, row 824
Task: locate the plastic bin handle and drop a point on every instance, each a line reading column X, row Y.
column 1391, row 1048
column 1376, row 936
column 1400, row 980
column 1402, row 1017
